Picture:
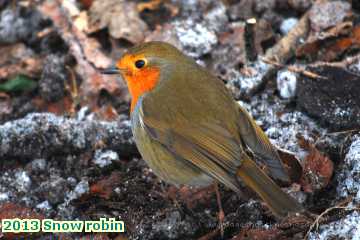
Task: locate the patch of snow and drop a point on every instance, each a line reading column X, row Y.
column 4, row 197
column 216, row 19
column 249, row 82
column 346, row 228
column 23, row 181
column 80, row 189
column 81, row 115
column 45, row 205
column 195, row 38
column 104, row 158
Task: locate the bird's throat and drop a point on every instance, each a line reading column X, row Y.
column 141, row 82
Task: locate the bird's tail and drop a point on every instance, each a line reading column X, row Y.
column 277, row 200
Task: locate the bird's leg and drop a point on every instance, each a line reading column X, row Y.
column 221, row 211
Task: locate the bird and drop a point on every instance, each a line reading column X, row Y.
column 190, row 130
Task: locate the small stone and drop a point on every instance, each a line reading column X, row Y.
column 38, row 165
column 45, row 206
column 287, row 25
column 4, row 197
column 286, row 84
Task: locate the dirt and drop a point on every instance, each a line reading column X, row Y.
column 66, row 147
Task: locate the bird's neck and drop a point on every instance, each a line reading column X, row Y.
column 141, row 83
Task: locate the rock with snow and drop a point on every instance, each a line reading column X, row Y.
column 349, row 175
column 346, row 228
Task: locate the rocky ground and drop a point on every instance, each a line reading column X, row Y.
column 66, row 149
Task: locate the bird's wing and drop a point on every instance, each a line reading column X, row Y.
column 209, row 147
column 258, row 142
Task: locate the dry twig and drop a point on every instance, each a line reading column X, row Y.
column 294, row 69
column 316, row 223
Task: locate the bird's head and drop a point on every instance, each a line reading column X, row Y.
column 142, row 66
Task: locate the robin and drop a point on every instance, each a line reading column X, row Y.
column 190, row 130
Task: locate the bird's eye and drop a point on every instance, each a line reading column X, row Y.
column 139, row 63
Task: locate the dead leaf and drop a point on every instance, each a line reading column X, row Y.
column 61, row 107
column 264, row 33
column 12, row 210
column 318, row 168
column 18, row 59
column 97, row 236
column 5, row 104
column 234, row 37
column 341, row 45
column 153, row 4
column 330, row 44
column 107, row 113
column 259, row 234
column 86, row 52
column 292, row 164
column 120, row 17
column 192, row 196
column 104, row 187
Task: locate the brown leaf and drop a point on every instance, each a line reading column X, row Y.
column 5, row 104
column 259, row 234
column 61, row 107
column 86, row 3
column 292, row 165
column 121, row 17
column 108, row 113
column 86, row 52
column 12, row 210
column 153, row 4
column 18, row 59
column 318, row 168
column 97, row 236
column 341, row 45
column 315, row 44
column 235, row 36
column 104, row 187
column 264, row 33
column 192, row 197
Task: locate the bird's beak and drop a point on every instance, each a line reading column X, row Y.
column 110, row 70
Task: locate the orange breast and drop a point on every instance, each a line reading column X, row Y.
column 141, row 82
